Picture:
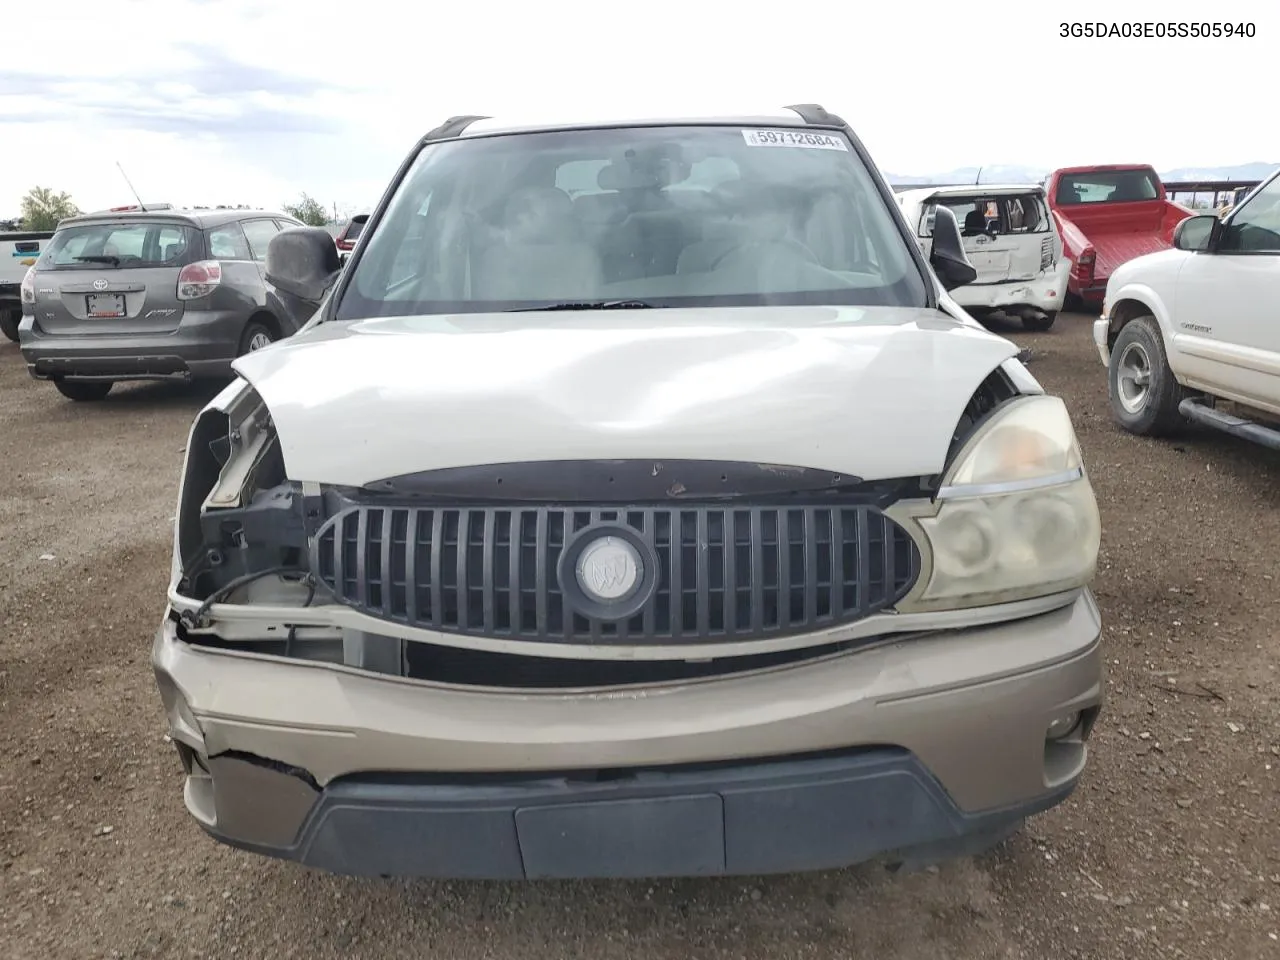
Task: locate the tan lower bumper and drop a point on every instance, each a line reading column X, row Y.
column 973, row 706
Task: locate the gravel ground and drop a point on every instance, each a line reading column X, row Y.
column 1169, row 849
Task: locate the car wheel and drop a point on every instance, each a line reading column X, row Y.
column 1074, row 303
column 1039, row 324
column 256, row 336
column 83, row 390
column 981, row 314
column 1144, row 395
column 9, row 320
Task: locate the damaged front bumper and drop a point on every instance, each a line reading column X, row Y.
column 1045, row 293
column 918, row 747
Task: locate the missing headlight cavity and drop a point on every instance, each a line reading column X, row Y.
column 995, row 390
column 203, row 467
column 238, row 514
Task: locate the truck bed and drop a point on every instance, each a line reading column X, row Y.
column 18, row 251
column 1114, row 249
column 1121, row 231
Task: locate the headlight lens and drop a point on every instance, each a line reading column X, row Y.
column 1030, row 440
column 1015, row 518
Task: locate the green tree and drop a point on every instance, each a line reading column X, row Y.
column 308, row 210
column 42, row 209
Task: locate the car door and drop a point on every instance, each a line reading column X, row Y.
column 259, row 232
column 241, row 288
column 1224, row 311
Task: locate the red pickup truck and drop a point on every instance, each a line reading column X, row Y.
column 1107, row 215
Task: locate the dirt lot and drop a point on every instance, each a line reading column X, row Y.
column 1170, row 848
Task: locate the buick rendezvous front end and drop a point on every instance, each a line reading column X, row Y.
column 737, row 564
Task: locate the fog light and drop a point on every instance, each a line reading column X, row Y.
column 1061, row 726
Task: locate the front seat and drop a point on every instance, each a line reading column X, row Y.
column 538, row 252
column 975, row 223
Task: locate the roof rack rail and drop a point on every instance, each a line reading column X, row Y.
column 129, row 208
column 816, row 115
column 452, row 127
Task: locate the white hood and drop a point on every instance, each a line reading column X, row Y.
column 868, row 392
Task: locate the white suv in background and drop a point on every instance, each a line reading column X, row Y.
column 1012, row 241
column 1192, row 332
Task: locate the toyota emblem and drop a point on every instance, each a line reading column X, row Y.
column 100, row 284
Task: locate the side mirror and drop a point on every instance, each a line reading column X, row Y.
column 303, row 262
column 1194, row 233
column 947, row 258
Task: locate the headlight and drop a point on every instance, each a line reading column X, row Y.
column 1015, row 517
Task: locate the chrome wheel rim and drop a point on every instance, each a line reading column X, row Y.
column 1133, row 377
column 259, row 340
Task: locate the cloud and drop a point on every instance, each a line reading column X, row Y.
column 211, row 92
column 248, row 98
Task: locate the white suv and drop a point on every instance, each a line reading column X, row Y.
column 1012, row 241
column 1189, row 332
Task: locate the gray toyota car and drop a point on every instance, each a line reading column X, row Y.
column 152, row 294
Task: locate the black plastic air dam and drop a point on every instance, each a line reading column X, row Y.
column 783, row 816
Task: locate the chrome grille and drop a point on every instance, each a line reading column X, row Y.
column 723, row 572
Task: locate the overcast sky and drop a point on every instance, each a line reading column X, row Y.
column 223, row 101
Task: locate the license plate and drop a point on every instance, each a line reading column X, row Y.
column 105, row 305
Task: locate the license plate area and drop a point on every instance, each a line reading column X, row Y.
column 105, row 306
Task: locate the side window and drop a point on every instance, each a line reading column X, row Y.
column 1255, row 228
column 414, row 253
column 259, row 233
column 287, row 224
column 228, row 243
column 171, row 243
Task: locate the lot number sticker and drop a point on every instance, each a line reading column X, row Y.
column 794, row 138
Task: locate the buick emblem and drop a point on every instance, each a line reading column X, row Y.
column 100, row 284
column 609, row 569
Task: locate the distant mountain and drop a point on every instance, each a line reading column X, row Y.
column 1242, row 171
column 1004, row 173
column 998, row 173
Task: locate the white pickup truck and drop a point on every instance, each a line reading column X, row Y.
column 18, row 251
column 1188, row 332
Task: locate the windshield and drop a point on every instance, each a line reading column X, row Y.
column 675, row 216
column 1107, row 186
column 133, row 244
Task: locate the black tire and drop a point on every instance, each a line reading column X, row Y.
column 10, row 317
column 981, row 314
column 84, row 390
column 1150, row 408
column 252, row 338
column 1073, row 304
column 1039, row 324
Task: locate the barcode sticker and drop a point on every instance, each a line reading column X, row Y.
column 794, row 138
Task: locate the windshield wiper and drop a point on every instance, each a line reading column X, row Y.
column 588, row 305
column 102, row 258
